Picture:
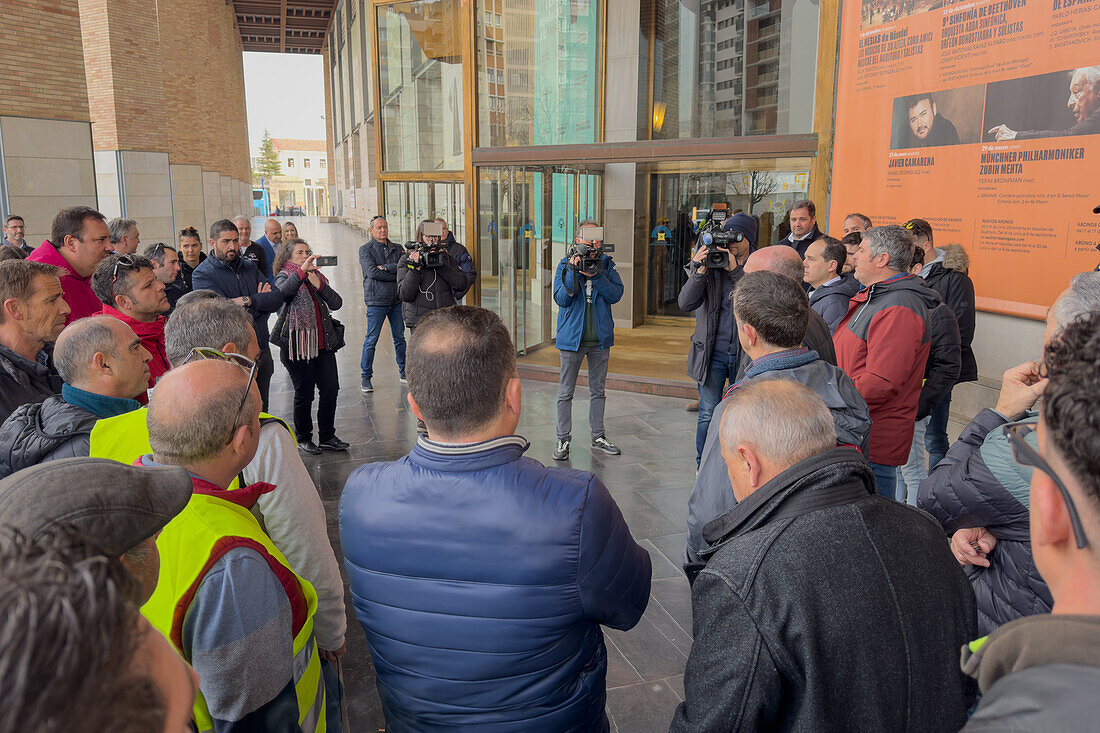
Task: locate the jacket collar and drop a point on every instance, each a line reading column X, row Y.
column 1033, row 641
column 244, row 497
column 837, row 476
column 140, row 328
column 50, row 255
column 786, row 359
column 468, row 456
column 99, row 405
column 927, row 269
column 39, row 367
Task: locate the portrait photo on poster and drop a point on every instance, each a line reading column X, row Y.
column 1059, row 104
column 937, row 118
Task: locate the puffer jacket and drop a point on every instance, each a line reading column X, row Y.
column 831, row 301
column 466, row 263
column 77, row 290
column 712, row 495
column 944, row 359
column 380, row 286
column 481, row 579
column 949, row 277
column 425, row 289
column 569, row 294
column 44, row 431
column 978, row 484
column 23, row 381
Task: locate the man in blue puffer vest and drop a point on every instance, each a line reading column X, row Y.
column 584, row 294
column 481, row 577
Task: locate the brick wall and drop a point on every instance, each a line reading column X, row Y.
column 41, row 63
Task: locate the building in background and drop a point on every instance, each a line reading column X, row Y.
column 303, row 181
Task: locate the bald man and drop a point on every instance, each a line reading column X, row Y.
column 270, row 241
column 105, row 369
column 849, row 606
column 247, row 618
column 249, row 249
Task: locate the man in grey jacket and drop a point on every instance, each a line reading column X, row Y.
column 1041, row 672
column 772, row 312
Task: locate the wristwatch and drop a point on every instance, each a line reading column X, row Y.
column 247, row 301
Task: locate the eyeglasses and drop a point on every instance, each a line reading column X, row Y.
column 201, row 353
column 125, row 261
column 1025, row 455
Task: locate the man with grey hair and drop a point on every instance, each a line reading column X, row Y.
column 249, row 249
column 981, row 496
column 293, row 514
column 1083, row 102
column 125, row 238
column 105, row 369
column 844, row 610
column 883, row 345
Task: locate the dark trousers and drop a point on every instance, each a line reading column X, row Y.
column 306, row 375
column 935, row 438
column 265, row 367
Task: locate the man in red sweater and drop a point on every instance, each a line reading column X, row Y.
column 129, row 290
column 79, row 240
column 883, row 344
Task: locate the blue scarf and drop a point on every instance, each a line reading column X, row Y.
column 99, row 405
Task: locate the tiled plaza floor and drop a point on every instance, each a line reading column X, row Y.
column 650, row 481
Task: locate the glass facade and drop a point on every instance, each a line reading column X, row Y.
column 538, row 72
column 410, row 202
column 725, row 68
column 420, row 81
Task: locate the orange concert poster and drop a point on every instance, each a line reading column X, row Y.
column 983, row 117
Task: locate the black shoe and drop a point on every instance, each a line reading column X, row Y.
column 333, row 443
column 309, row 447
column 606, row 446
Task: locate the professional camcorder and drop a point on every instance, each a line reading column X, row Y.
column 712, row 237
column 432, row 252
column 591, row 249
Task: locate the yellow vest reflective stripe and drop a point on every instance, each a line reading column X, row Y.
column 125, row 438
column 189, row 546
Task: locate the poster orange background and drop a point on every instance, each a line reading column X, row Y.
column 1028, row 233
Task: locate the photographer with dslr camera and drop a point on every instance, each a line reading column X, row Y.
column 427, row 275
column 586, row 284
column 715, row 268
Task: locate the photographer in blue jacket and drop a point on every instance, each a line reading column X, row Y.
column 586, row 284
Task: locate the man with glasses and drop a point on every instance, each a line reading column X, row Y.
column 226, row 597
column 981, row 496
column 1042, row 672
column 166, row 268
column 15, row 233
column 131, row 292
column 240, row 280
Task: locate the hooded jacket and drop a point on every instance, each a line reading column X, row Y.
column 712, row 494
column 425, row 289
column 380, row 285
column 481, row 579
column 978, row 484
column 944, row 359
column 702, row 294
column 883, row 345
column 23, row 381
column 824, row 607
column 949, row 277
column 831, row 301
column 569, row 294
column 1037, row 674
column 76, row 290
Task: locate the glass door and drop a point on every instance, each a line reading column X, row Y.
column 407, row 203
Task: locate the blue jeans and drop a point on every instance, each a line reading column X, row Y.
column 935, row 438
column 723, row 368
column 886, row 479
column 376, row 315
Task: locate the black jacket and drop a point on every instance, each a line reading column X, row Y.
column 976, row 485
column 44, row 431
column 949, row 278
column 425, row 289
column 831, row 301
column 380, row 285
column 327, row 300
column 703, row 294
column 23, row 381
column 242, row 278
column 825, row 607
column 803, row 244
column 460, row 255
column 186, row 271
column 941, row 372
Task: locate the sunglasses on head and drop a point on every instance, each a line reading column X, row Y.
column 123, row 261
column 1025, row 455
column 202, row 353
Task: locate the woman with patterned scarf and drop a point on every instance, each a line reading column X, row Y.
column 308, row 339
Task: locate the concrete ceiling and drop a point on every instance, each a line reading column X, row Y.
column 283, row 26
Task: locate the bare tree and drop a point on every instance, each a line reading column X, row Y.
column 755, row 186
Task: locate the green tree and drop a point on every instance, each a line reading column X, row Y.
column 269, row 157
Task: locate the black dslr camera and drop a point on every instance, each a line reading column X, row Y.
column 590, row 250
column 432, row 253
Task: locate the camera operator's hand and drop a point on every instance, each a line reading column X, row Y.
column 699, row 258
column 575, row 263
column 414, row 256
column 733, row 262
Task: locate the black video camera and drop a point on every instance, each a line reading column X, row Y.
column 432, row 253
column 719, row 259
column 591, row 249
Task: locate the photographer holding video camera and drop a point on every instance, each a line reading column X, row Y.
column 586, row 284
column 427, row 276
column 721, row 249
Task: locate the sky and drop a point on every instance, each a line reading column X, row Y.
column 284, row 93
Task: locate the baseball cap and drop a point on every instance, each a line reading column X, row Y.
column 743, row 223
column 109, row 503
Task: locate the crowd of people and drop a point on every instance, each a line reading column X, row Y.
column 164, row 556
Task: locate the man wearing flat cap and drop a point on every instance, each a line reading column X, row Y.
column 119, row 508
